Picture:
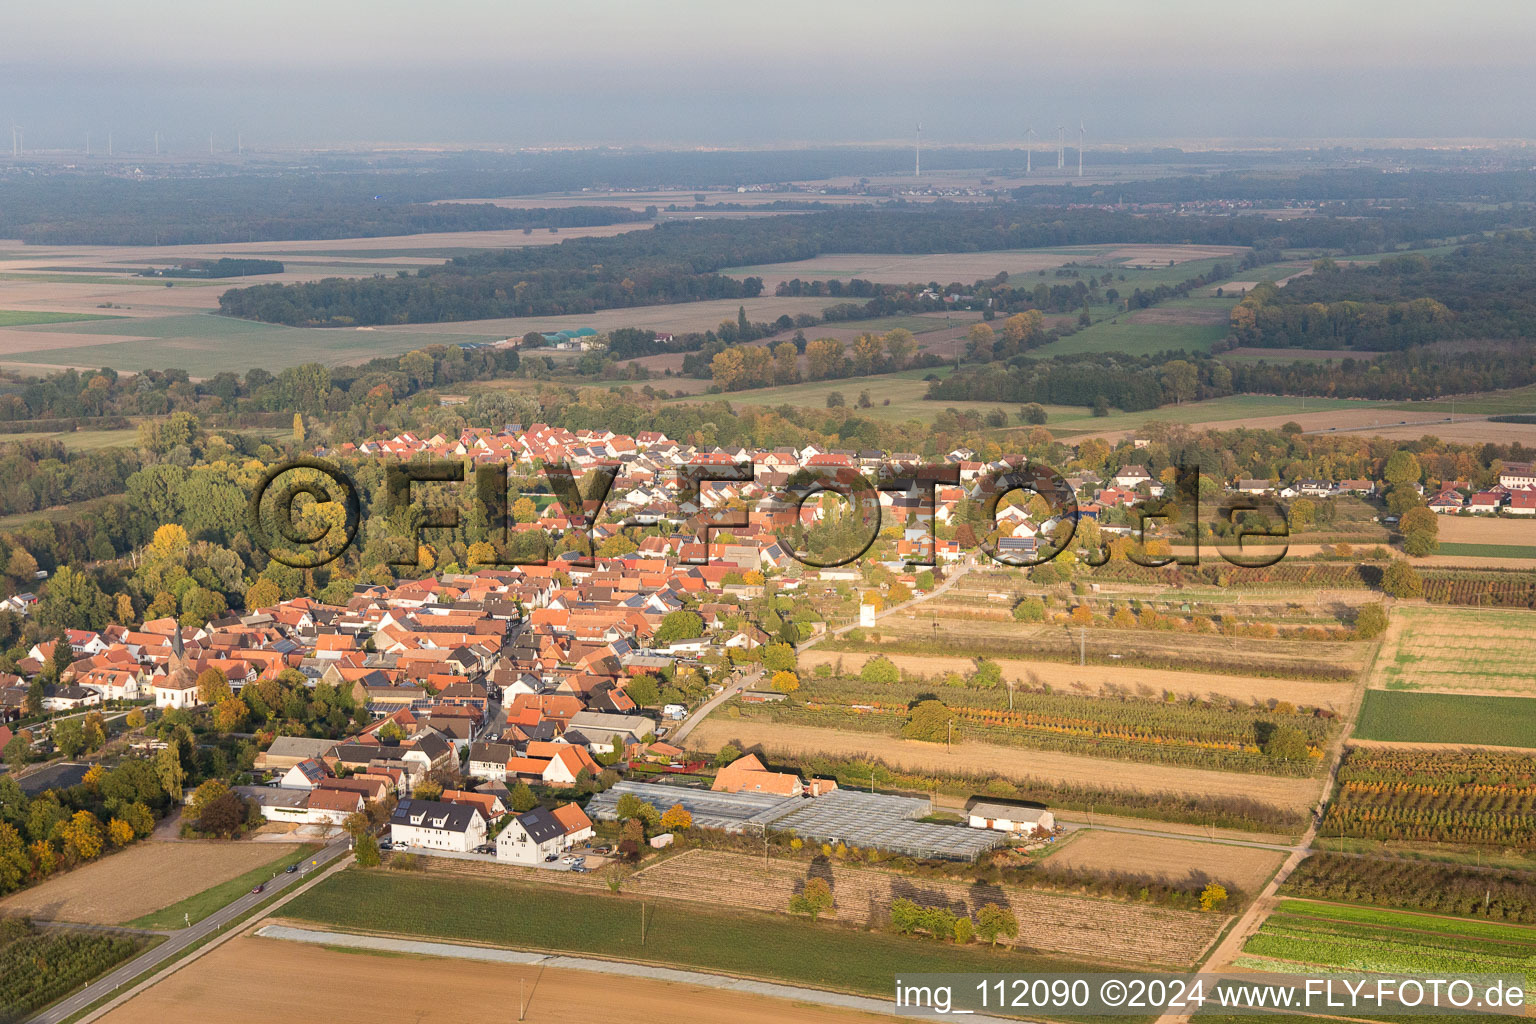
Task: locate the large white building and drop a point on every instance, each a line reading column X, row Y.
column 536, row 835
column 432, row 825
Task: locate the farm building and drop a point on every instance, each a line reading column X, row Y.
column 1010, row 818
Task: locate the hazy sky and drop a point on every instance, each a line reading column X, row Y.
column 333, row 72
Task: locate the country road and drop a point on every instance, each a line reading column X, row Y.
column 183, row 938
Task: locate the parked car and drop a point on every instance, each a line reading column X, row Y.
column 573, row 859
column 579, row 869
column 602, row 851
column 551, row 858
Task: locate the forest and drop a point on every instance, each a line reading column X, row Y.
column 1481, row 291
column 680, row 261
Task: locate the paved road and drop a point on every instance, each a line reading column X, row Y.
column 622, row 968
column 181, row 939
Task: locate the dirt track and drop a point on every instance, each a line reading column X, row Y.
column 1010, row 762
column 252, row 980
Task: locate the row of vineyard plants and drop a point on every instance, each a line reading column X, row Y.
column 1498, row 894
column 1482, row 797
column 40, row 967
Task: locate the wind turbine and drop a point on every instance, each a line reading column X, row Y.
column 1082, row 137
column 157, row 143
column 109, row 143
column 1061, row 147
column 917, row 162
column 15, row 141
column 1029, row 149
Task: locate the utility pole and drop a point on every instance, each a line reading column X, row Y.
column 1082, row 646
column 522, row 1006
column 949, row 737
column 642, row 923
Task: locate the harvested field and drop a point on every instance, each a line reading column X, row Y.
column 429, row 990
column 1466, row 431
column 1487, row 530
column 1009, row 762
column 1089, row 928
column 143, row 878
column 1442, row 649
column 1168, row 860
column 1099, row 678
column 1190, row 656
column 1178, row 316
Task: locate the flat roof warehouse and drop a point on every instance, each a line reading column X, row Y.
column 876, row 820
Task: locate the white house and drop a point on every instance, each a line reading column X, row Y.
column 532, row 837
column 307, row 774
column 70, row 698
column 175, row 693
column 489, row 760
column 1011, row 818
column 433, row 825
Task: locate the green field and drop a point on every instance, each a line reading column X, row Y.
column 1397, row 716
column 1487, row 403
column 1489, row 550
column 196, row 907
column 688, row 935
column 27, row 317
column 1349, row 938
column 82, row 440
column 1118, row 335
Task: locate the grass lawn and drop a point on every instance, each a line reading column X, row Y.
column 83, row 440
column 194, row 908
column 1487, row 403
column 1489, row 550
column 1397, row 716
column 688, row 935
column 25, row 317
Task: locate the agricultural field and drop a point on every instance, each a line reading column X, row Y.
column 968, row 267
column 938, row 632
column 1391, row 716
column 1165, row 859
column 1462, row 890
column 429, row 990
column 798, row 742
column 1482, row 551
column 1435, row 796
column 41, row 966
column 1189, row 324
column 1487, row 530
column 1051, row 923
column 1438, row 649
column 1153, row 730
column 1105, row 679
column 1303, row 935
column 138, row 880
column 687, row 935
column 26, row 317
column 82, row 440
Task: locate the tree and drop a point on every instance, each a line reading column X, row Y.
column 785, row 682
column 813, row 900
column 298, row 428
column 212, row 686
column 206, row 794
column 18, row 752
column 136, row 718
column 1421, row 531
column 995, row 923
column 676, row 819
column 69, row 737
column 168, row 769
column 679, row 625
column 366, row 853
column 900, row 346
column 930, row 721
column 643, row 690
column 726, row 754
column 1402, row 580
column 1303, row 513
column 779, row 658
column 523, row 798
column 262, row 594
column 94, row 728
column 1285, row 743
column 1370, row 621
column 1031, row 609
column 879, row 669
column 1212, row 897
column 120, row 832
column 141, row 818
column 1402, row 469
column 965, row 931
column 32, row 703
column 83, row 836
column 224, row 816
column 1180, row 380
